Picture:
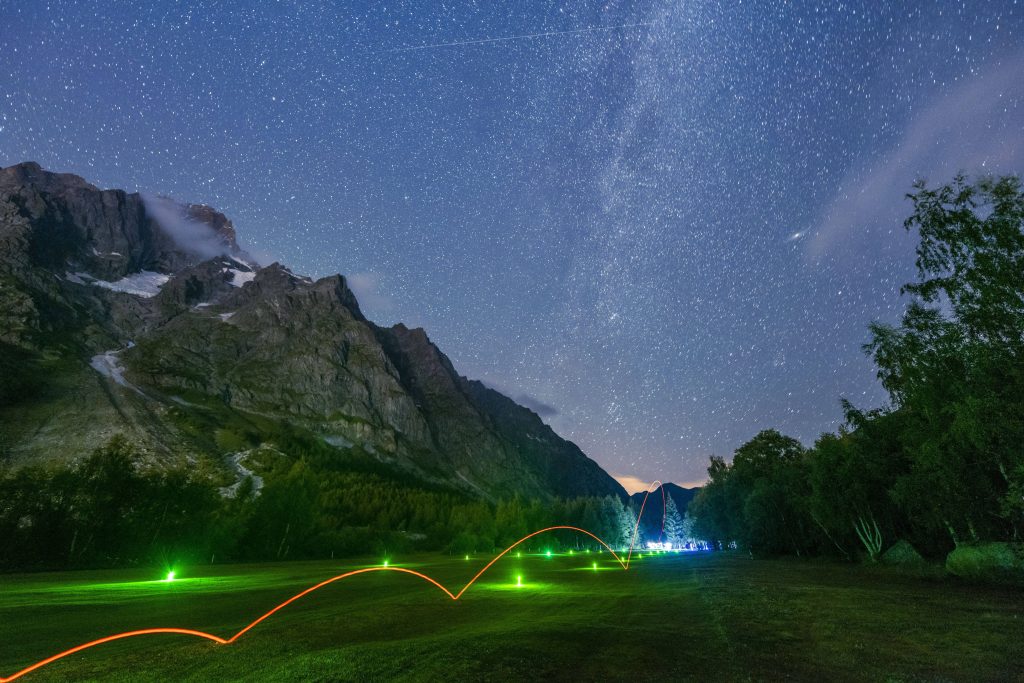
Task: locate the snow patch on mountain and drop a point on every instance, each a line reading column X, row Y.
column 240, row 277
column 109, row 365
column 145, row 283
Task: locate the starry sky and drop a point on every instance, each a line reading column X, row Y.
column 664, row 226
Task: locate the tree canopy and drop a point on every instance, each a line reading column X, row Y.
column 943, row 463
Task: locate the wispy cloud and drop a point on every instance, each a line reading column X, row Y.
column 976, row 127
column 544, row 410
column 190, row 235
column 634, row 484
column 536, row 405
column 366, row 287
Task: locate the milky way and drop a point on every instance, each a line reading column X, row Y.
column 662, row 226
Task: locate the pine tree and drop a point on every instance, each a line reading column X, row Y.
column 675, row 533
column 628, row 525
column 688, row 525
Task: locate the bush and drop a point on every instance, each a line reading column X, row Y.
column 902, row 553
column 988, row 562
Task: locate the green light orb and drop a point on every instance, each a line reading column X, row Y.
column 385, row 563
column 519, row 581
column 595, row 566
column 170, row 576
column 548, row 553
column 467, row 557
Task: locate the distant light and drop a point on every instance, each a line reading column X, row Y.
column 519, row 554
column 548, row 553
column 519, row 581
column 570, row 551
column 385, row 563
column 595, row 566
column 170, row 576
column 467, row 557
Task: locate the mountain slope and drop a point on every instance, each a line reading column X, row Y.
column 653, row 511
column 120, row 313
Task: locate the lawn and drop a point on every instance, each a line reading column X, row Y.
column 715, row 616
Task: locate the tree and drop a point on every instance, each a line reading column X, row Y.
column 628, row 531
column 675, row 532
column 954, row 367
column 760, row 499
column 943, row 463
column 718, row 506
column 851, row 477
column 689, row 526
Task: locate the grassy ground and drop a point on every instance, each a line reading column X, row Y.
column 687, row 617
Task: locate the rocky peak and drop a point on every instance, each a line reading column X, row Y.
column 220, row 223
column 107, row 234
column 216, row 339
column 421, row 363
column 29, row 173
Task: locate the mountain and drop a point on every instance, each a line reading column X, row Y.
column 653, row 510
column 121, row 313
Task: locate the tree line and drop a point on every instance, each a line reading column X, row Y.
column 941, row 466
column 115, row 509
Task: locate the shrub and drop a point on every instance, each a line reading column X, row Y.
column 988, row 562
column 902, row 553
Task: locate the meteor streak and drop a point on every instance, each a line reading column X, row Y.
column 481, row 41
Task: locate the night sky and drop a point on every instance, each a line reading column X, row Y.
column 662, row 226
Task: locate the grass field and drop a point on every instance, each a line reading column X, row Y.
column 695, row 616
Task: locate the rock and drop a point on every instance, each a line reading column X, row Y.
column 224, row 340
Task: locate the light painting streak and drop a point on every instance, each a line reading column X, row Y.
column 624, row 563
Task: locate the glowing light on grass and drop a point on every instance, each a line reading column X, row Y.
column 170, row 576
column 519, row 581
column 595, row 566
column 624, row 563
column 467, row 557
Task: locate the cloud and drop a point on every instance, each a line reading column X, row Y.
column 366, row 287
column 631, row 484
column 536, row 405
column 544, row 410
column 634, row 484
column 190, row 235
column 974, row 128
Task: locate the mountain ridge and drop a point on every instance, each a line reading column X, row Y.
column 142, row 316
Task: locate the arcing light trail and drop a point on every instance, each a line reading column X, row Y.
column 454, row 596
column 483, row 41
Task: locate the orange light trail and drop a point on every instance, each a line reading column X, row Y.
column 454, row 596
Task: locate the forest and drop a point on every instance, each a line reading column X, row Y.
column 941, row 467
column 112, row 510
